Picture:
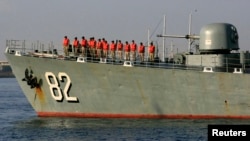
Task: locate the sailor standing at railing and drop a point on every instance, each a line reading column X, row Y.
column 66, row 46
column 127, row 51
column 151, row 51
column 133, row 47
column 112, row 49
column 120, row 49
column 99, row 47
column 141, row 52
column 76, row 46
column 92, row 44
column 84, row 45
column 105, row 48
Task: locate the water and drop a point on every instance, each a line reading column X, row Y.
column 18, row 121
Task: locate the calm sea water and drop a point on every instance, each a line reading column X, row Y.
column 18, row 121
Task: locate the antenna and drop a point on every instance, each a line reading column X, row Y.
column 190, row 29
column 148, row 37
column 171, row 50
column 163, row 41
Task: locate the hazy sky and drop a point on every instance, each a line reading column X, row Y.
column 50, row 20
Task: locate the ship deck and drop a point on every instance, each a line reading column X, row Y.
column 19, row 48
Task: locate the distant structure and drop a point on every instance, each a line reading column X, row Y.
column 5, row 70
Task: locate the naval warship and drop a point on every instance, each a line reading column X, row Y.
column 213, row 82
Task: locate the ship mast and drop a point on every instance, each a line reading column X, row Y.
column 189, row 31
column 163, row 39
column 148, row 37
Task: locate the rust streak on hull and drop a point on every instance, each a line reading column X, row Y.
column 40, row 94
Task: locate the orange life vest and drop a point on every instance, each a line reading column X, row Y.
column 84, row 43
column 76, row 43
column 105, row 46
column 127, row 48
column 133, row 47
column 120, row 46
column 92, row 43
column 152, row 49
column 112, row 46
column 65, row 41
column 99, row 45
column 141, row 49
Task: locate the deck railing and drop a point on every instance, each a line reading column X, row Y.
column 39, row 49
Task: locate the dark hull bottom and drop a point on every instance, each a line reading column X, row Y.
column 148, row 116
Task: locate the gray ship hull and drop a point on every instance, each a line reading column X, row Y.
column 73, row 89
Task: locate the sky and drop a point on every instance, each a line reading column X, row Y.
column 126, row 20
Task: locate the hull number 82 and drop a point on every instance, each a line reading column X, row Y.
column 54, row 86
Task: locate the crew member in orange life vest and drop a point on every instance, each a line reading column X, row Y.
column 151, row 51
column 105, row 48
column 141, row 52
column 76, row 45
column 84, row 44
column 120, row 49
column 92, row 44
column 99, row 47
column 127, row 51
column 66, row 46
column 112, row 50
column 133, row 47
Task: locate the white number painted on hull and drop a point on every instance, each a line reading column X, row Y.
column 67, row 86
column 54, row 86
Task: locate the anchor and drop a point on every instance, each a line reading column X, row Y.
column 30, row 78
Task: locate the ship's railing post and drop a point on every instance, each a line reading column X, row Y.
column 6, row 44
column 23, row 46
column 201, row 60
column 227, row 64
